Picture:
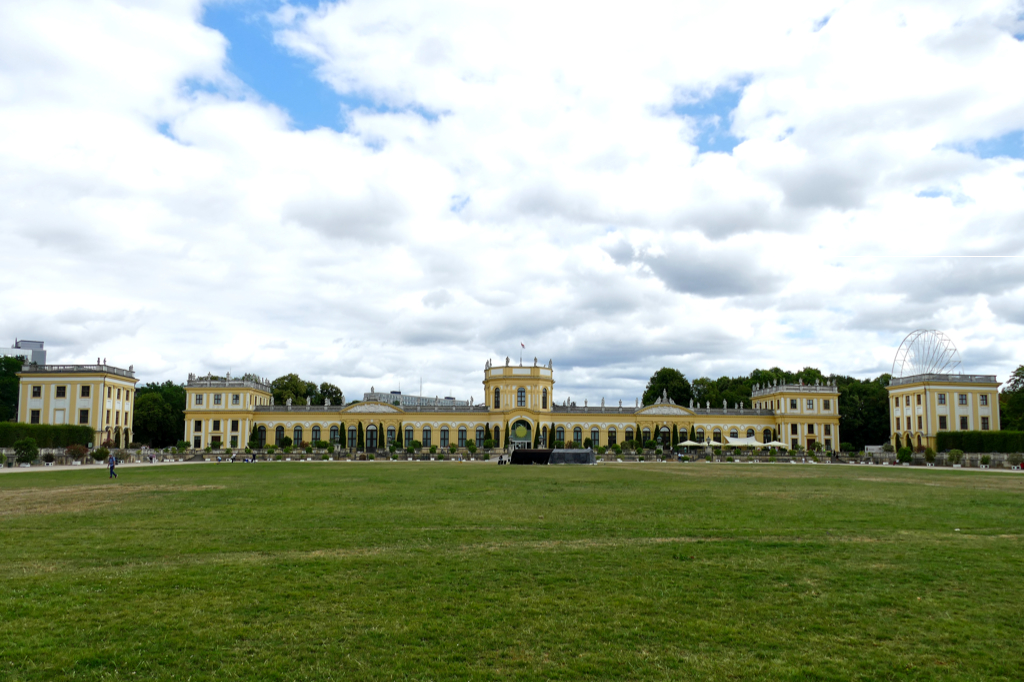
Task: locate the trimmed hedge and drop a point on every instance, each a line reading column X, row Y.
column 45, row 435
column 981, row 441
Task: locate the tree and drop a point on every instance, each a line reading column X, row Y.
column 506, row 435
column 670, row 381
column 9, row 368
column 342, row 436
column 398, row 436
column 25, row 451
column 291, row 386
column 693, row 433
column 332, row 393
column 359, row 436
column 1011, row 402
column 675, row 435
column 160, row 423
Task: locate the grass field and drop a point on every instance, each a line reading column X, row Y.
column 436, row 571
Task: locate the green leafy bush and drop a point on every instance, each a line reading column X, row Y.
column 981, row 441
column 488, row 443
column 45, row 435
column 271, row 449
column 904, row 455
column 286, row 442
column 100, row 454
column 986, row 460
column 182, row 446
column 76, row 451
column 955, row 455
column 26, row 451
column 929, row 455
column 433, row 449
column 309, row 449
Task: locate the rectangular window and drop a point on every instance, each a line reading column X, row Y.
column 198, row 426
column 810, row 404
column 942, row 422
column 984, row 423
column 962, row 398
column 426, row 438
column 351, row 437
column 110, row 391
column 216, row 425
column 982, row 399
column 897, row 401
column 199, row 398
column 83, row 416
column 795, row 443
column 828, row 443
column 908, row 423
column 234, row 441
column 810, row 429
column 85, row 391
column 117, row 418
column 35, row 417
column 942, row 399
column 827, row 404
column 444, row 438
column 108, row 417
column 462, row 438
column 235, row 399
column 918, row 398
column 127, row 395
column 963, row 423
column 828, row 429
column 234, row 425
column 118, row 394
column 62, row 391
column 37, row 391
column 216, row 398
column 908, row 401
column 794, row 429
column 197, row 442
column 792, row 404
column 919, row 427
column 409, row 436
column 479, row 436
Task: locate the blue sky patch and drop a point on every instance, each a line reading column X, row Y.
column 278, row 76
column 821, row 23
column 1009, row 145
column 712, row 115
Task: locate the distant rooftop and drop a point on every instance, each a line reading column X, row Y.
column 80, row 369
column 945, row 378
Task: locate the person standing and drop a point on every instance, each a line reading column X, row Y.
column 111, row 463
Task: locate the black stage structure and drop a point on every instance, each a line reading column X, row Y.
column 561, row 456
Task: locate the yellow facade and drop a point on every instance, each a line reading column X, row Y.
column 99, row 396
column 519, row 402
column 921, row 406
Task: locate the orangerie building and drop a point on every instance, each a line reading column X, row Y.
column 520, row 409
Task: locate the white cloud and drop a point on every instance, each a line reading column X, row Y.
column 520, row 175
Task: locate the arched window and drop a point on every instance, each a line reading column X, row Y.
column 391, row 436
column 371, row 436
column 408, row 436
column 700, row 435
column 612, row 437
column 647, row 435
column 278, row 435
column 335, row 435
column 717, row 436
column 544, row 399
column 462, row 436
column 595, row 437
column 426, row 436
column 629, row 434
column 577, row 435
column 560, row 434
column 733, row 433
column 497, row 436
column 444, row 436
column 479, row 436
column 750, row 433
column 352, row 436
column 261, row 436
column 316, row 434
column 544, row 436
column 297, row 436
column 766, row 437
column 666, row 436
column 497, row 398
column 521, row 397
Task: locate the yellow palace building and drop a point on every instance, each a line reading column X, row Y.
column 520, row 405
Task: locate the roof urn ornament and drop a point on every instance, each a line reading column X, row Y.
column 707, row 404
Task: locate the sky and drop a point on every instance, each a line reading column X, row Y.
column 385, row 192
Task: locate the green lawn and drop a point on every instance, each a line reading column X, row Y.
column 436, row 571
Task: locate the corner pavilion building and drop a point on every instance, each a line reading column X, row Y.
column 520, row 403
column 922, row 405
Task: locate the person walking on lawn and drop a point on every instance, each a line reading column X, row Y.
column 112, row 462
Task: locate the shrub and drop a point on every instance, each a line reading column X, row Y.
column 771, row 459
column 929, row 455
column 45, row 435
column 650, row 444
column 471, row 446
column 846, row 447
column 617, row 448
column 278, row 457
column 330, row 448
column 440, row 456
column 559, row 444
column 728, row 459
column 248, row 451
column 982, row 441
column 325, row 457
column 452, row 449
column 271, row 449
column 100, row 454
column 286, row 442
column 888, row 448
column 416, row 445
column 904, row 455
column 76, row 451
column 409, row 450
column 309, row 449
column 286, row 449
column 371, row 457
column 986, row 459
column 26, row 451
column 182, row 446
column 433, row 449
column 684, row 458
column 601, row 449
column 207, row 449
column 1014, row 459
column 588, row 443
column 488, row 443
column 640, row 458
column 956, row 455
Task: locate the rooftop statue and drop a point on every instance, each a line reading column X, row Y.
column 327, row 402
column 691, row 403
column 506, row 361
column 288, row 402
column 309, row 401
